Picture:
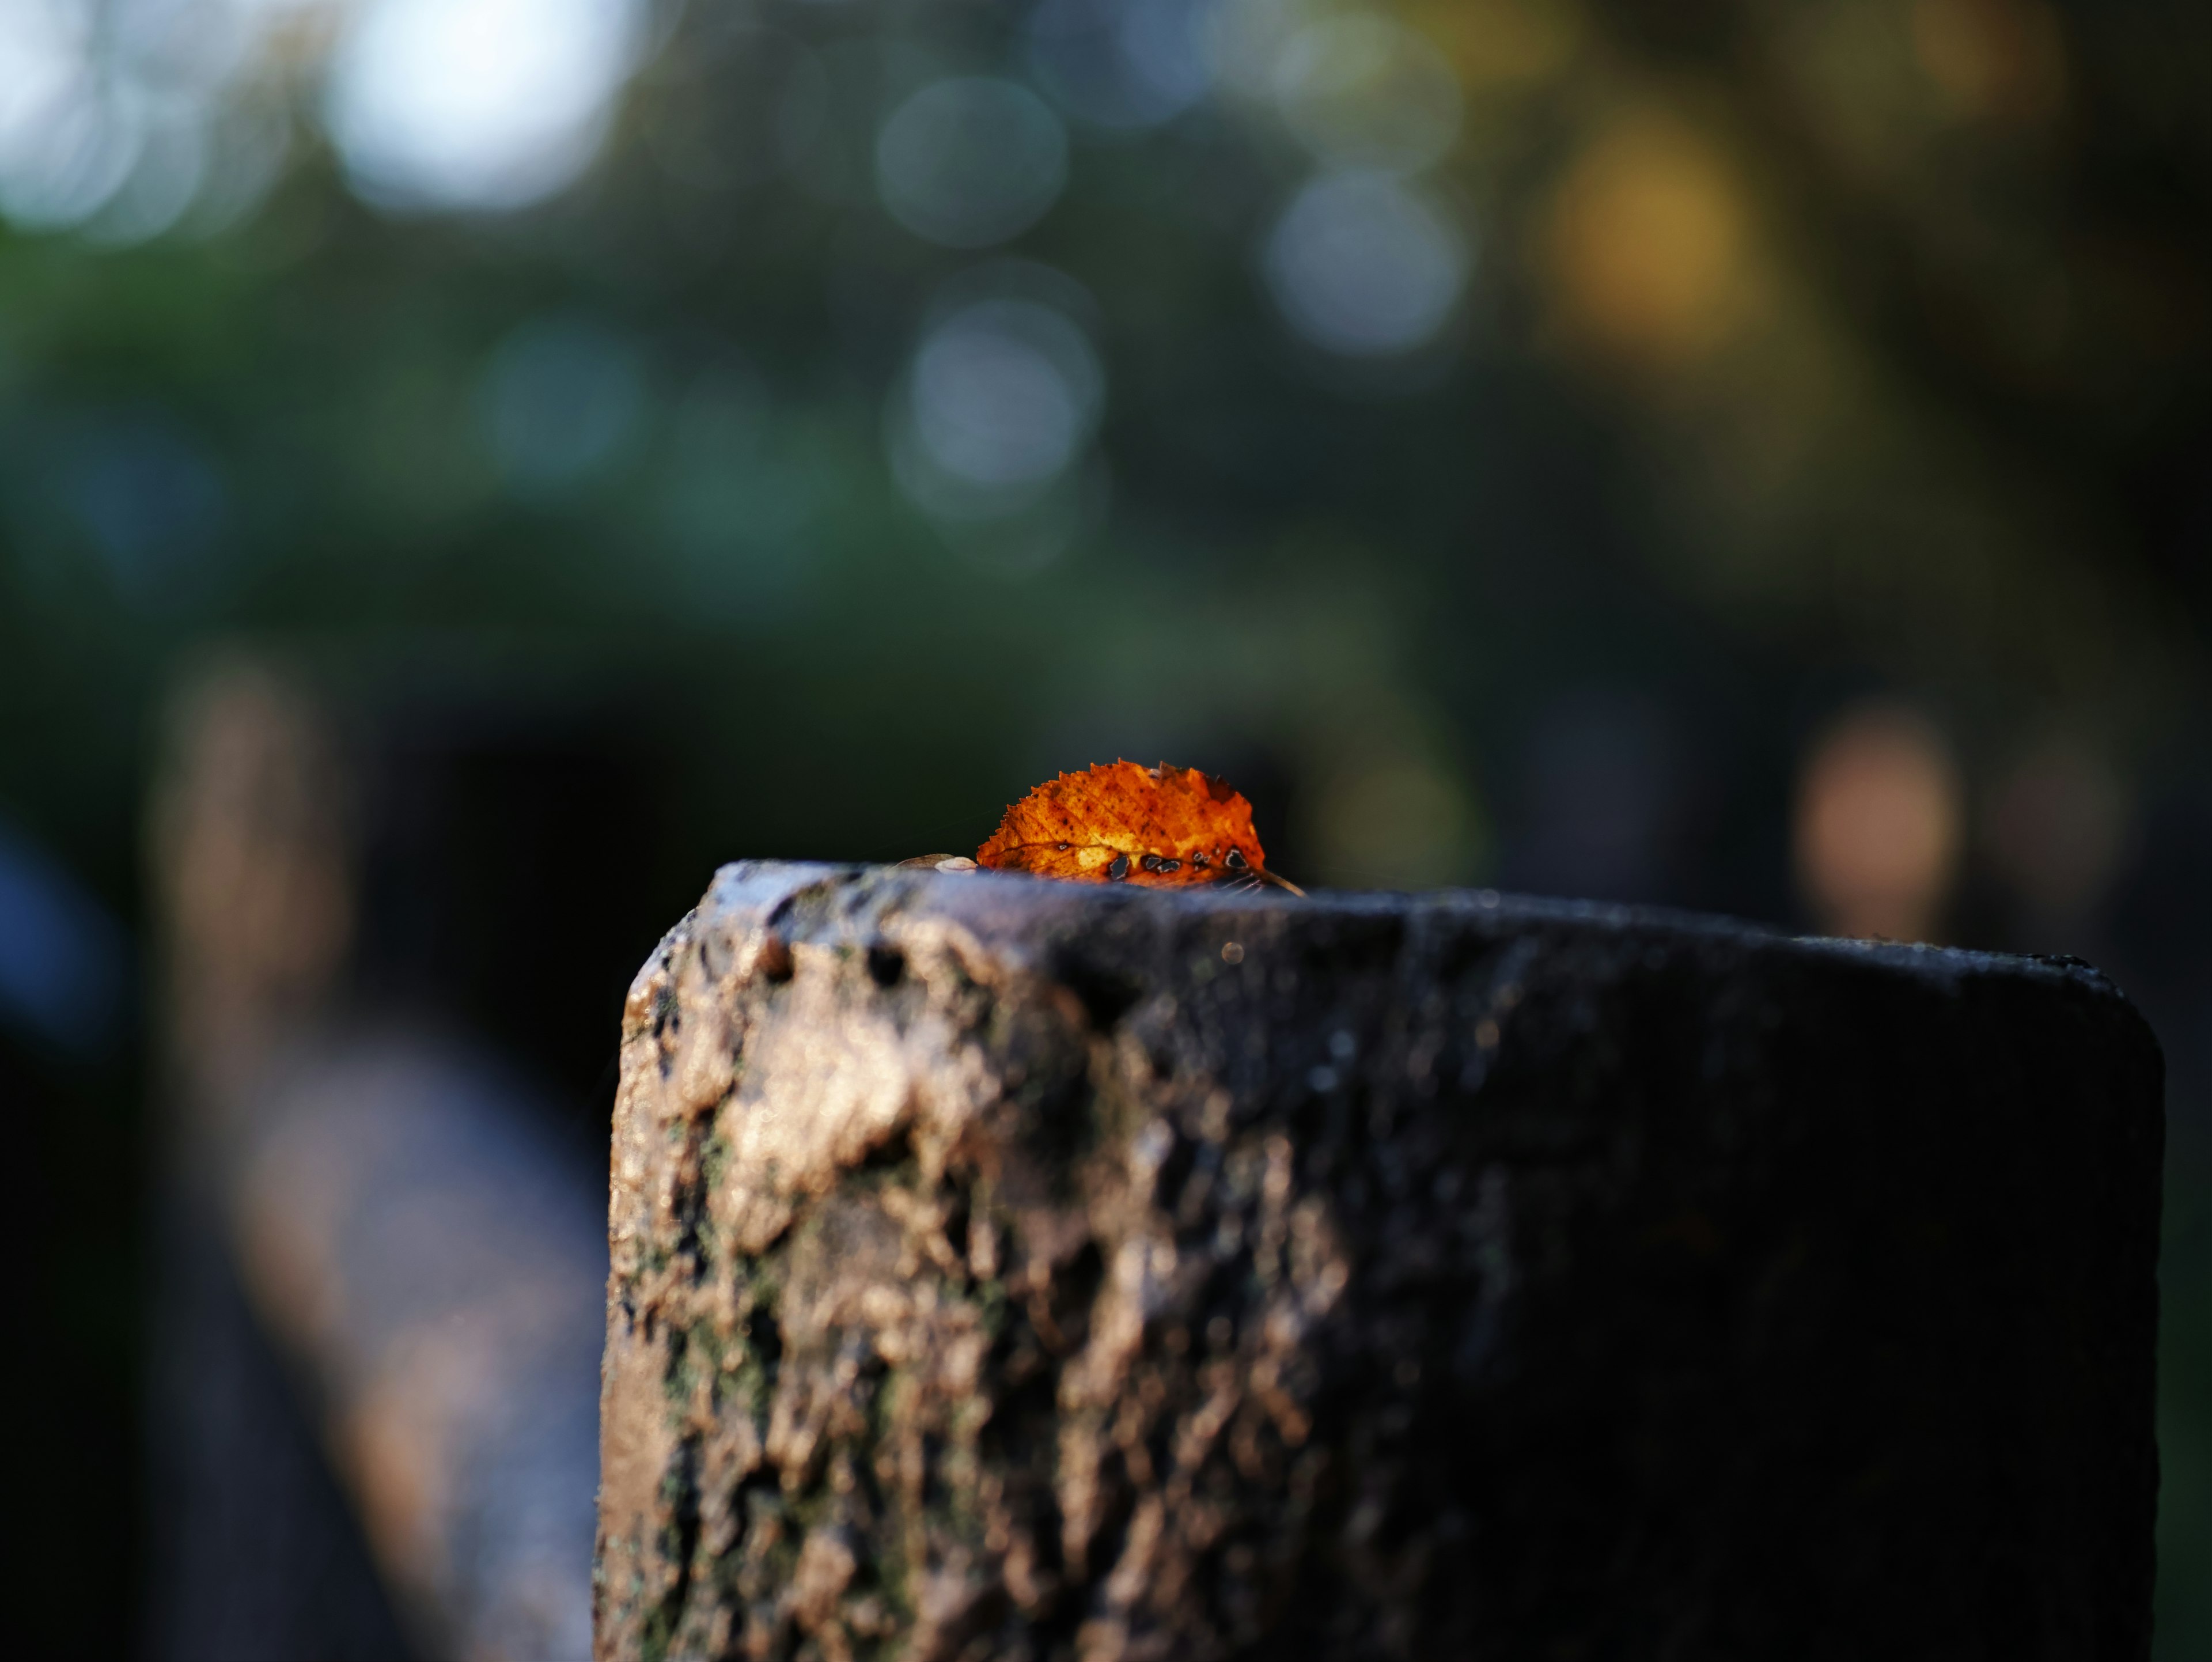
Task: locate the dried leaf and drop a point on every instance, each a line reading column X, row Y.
column 1163, row 827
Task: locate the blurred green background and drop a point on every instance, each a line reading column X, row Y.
column 1755, row 457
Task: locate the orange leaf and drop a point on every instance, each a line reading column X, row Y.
column 1163, row 827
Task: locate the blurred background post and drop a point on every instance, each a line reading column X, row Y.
column 468, row 465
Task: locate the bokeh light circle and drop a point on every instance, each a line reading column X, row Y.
column 1362, row 265
column 561, row 397
column 476, row 104
column 1004, row 395
column 64, row 148
column 1123, row 65
column 971, row 161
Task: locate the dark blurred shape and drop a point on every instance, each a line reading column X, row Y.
column 370, row 893
column 2057, row 829
column 154, row 506
column 1880, row 820
column 759, row 97
column 2161, row 918
column 506, row 891
column 1604, row 802
column 257, row 1556
column 63, row 961
column 74, row 1238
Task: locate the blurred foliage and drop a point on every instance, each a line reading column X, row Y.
column 1729, row 362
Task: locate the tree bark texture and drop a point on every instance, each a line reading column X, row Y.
column 1010, row 1268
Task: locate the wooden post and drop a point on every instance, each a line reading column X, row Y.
column 1006, row 1268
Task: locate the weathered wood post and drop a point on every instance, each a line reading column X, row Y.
column 1010, row 1268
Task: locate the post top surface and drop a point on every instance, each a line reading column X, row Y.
column 1010, row 911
